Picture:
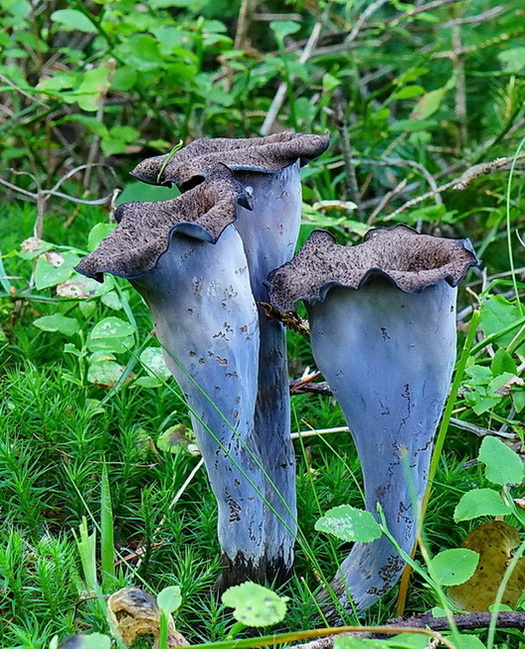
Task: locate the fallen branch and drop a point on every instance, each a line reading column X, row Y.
column 464, row 622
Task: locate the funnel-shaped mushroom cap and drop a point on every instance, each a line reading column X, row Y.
column 144, row 229
column 411, row 261
column 193, row 163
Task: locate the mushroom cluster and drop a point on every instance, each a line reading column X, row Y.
column 382, row 320
column 200, row 262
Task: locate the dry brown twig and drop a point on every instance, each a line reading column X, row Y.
column 461, row 182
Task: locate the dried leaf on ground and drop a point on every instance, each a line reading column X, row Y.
column 494, row 541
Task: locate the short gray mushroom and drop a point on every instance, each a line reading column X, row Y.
column 383, row 332
column 270, row 167
column 187, row 260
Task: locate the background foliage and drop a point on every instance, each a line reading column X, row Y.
column 414, row 95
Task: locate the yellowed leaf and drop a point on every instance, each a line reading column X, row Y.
column 494, row 541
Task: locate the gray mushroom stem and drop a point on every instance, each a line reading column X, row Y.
column 270, row 166
column 389, row 366
column 187, row 260
column 383, row 333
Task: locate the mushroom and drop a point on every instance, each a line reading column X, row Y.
column 187, row 260
column 383, row 333
column 270, row 167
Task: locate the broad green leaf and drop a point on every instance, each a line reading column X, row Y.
column 105, row 373
column 498, row 314
column 453, row 567
column 153, row 361
column 255, row 605
column 467, row 641
column 98, row 232
column 408, row 92
column 503, row 465
column 480, row 502
column 513, row 60
column 429, row 104
column 169, row 599
column 503, row 362
column 72, row 19
column 58, row 322
column 349, row 524
column 112, row 327
column 96, row 641
column 349, row 642
column 283, row 28
column 53, row 268
column 112, row 300
column 141, row 51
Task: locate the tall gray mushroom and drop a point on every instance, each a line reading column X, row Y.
column 187, row 260
column 383, row 333
column 270, row 167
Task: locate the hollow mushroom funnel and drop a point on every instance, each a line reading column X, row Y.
column 270, row 167
column 383, row 333
column 186, row 259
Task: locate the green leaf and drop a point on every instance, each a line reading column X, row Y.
column 513, row 60
column 169, row 599
column 408, row 92
column 453, row 567
column 255, row 605
column 467, row 641
column 283, row 28
column 141, row 51
column 58, row 322
column 502, row 465
column 480, row 502
column 429, row 104
column 498, row 314
column 503, row 362
column 73, row 20
column 98, row 232
column 104, row 373
column 153, row 362
column 112, row 327
column 348, row 642
column 349, row 524
column 96, row 641
column 53, row 268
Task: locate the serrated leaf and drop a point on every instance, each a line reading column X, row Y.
column 502, row 465
column 255, row 605
column 169, row 599
column 480, row 502
column 58, row 322
column 349, row 524
column 453, row 567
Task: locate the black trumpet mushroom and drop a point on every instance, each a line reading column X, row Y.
column 187, row 260
column 269, row 166
column 383, row 333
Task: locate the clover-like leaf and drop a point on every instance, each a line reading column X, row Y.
column 255, row 605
